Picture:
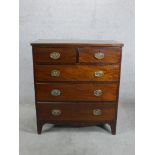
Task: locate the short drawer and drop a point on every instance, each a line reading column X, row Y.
column 100, row 55
column 76, row 112
column 76, row 92
column 77, row 72
column 54, row 55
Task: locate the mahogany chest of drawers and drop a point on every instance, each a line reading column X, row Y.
column 76, row 82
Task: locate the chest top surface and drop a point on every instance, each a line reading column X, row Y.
column 103, row 43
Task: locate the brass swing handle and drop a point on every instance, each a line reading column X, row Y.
column 56, row 112
column 55, row 73
column 98, row 92
column 99, row 55
column 97, row 112
column 55, row 55
column 99, row 74
column 55, row 92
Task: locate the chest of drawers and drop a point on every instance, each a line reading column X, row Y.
column 76, row 82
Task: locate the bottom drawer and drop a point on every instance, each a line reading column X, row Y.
column 76, row 112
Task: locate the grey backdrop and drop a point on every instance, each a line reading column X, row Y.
column 77, row 19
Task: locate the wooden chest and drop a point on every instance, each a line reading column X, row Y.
column 76, row 82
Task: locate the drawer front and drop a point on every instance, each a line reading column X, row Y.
column 77, row 73
column 54, row 55
column 76, row 92
column 76, row 112
column 100, row 55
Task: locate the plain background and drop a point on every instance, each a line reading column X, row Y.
column 80, row 19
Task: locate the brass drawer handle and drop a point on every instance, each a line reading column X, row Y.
column 99, row 55
column 98, row 92
column 97, row 112
column 99, row 73
column 55, row 73
column 56, row 112
column 55, row 55
column 55, row 92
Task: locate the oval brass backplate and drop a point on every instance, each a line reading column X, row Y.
column 56, row 112
column 55, row 92
column 99, row 55
column 97, row 112
column 98, row 92
column 55, row 55
column 99, row 73
column 55, row 73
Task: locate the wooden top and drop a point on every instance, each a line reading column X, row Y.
column 105, row 43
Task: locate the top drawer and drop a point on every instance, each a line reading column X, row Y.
column 54, row 55
column 100, row 55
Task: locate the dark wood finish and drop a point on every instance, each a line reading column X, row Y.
column 77, row 64
column 77, row 72
column 42, row 55
column 111, row 55
column 76, row 112
column 113, row 126
column 39, row 125
column 76, row 92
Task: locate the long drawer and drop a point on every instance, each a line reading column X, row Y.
column 77, row 72
column 76, row 112
column 76, row 92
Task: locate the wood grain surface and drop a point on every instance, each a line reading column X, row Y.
column 42, row 55
column 111, row 55
column 76, row 112
column 76, row 92
column 77, row 72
